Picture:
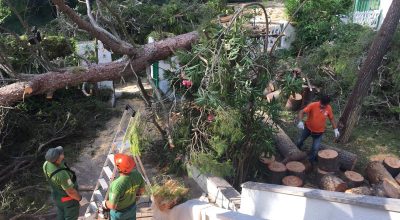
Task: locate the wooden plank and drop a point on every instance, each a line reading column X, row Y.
column 103, row 183
column 108, row 172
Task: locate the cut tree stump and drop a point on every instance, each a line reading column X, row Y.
column 362, row 190
column 347, row 160
column 398, row 178
column 273, row 95
column 332, row 183
column 322, row 173
column 296, row 168
column 292, row 181
column 392, row 165
column 353, row 179
column 294, row 103
column 328, row 160
column 377, row 174
column 267, row 160
column 276, row 172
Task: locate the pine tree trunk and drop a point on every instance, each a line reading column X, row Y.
column 368, row 71
column 377, row 174
column 51, row 81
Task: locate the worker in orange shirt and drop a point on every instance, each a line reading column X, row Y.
column 317, row 113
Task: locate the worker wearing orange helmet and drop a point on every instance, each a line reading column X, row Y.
column 124, row 190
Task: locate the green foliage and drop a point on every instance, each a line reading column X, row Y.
column 209, row 165
column 29, row 58
column 333, row 67
column 4, row 11
column 339, row 58
column 291, row 85
column 137, row 136
column 138, row 21
column 33, row 123
column 315, row 20
column 224, row 123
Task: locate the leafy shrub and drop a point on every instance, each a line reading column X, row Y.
column 315, row 20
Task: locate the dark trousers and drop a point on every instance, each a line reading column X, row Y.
column 317, row 138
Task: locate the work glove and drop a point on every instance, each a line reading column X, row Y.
column 300, row 125
column 337, row 134
column 83, row 201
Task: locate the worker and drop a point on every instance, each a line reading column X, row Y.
column 63, row 184
column 125, row 190
column 317, row 113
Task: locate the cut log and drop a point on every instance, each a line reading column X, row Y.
column 362, row 190
column 292, row 181
column 332, row 183
column 267, row 160
column 347, row 160
column 287, row 148
column 295, row 168
column 273, row 95
column 328, row 160
column 353, row 179
column 307, row 164
column 392, row 165
column 377, row 174
column 322, row 173
column 294, row 102
column 276, row 172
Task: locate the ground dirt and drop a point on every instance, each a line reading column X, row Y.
column 91, row 159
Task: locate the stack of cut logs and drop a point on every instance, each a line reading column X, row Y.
column 383, row 177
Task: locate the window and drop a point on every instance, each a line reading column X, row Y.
column 367, row 5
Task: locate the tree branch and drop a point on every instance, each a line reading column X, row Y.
column 53, row 80
column 117, row 46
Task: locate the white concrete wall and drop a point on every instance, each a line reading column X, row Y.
column 217, row 189
column 276, row 202
column 198, row 210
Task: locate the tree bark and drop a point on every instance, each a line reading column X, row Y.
column 328, row 160
column 287, row 148
column 292, row 181
column 362, row 190
column 392, row 165
column 276, row 172
column 347, row 160
column 377, row 174
column 368, row 71
column 296, row 168
column 332, row 183
column 353, row 179
column 51, row 81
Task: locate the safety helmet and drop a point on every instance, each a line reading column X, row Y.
column 124, row 163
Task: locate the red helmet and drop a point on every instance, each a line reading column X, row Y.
column 124, row 163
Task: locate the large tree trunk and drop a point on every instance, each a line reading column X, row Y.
column 287, row 148
column 347, row 160
column 368, row 71
column 377, row 174
column 51, row 81
column 332, row 183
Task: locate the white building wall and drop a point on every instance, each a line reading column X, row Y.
column 384, row 6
